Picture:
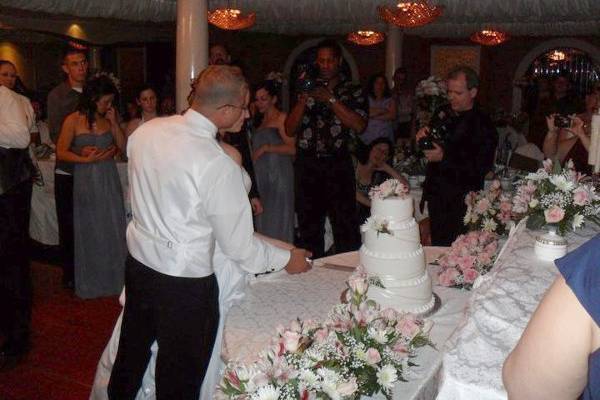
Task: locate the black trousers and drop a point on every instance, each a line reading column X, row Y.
column 446, row 217
column 63, row 196
column 326, row 186
column 15, row 274
column 182, row 315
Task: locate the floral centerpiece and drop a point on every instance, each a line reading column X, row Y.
column 489, row 210
column 557, row 196
column 359, row 350
column 431, row 94
column 471, row 256
column 389, row 188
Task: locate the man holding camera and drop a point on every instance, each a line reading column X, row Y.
column 459, row 164
column 325, row 117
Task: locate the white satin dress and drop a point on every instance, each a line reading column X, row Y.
column 232, row 281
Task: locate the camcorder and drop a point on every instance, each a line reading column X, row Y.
column 562, row 121
column 308, row 78
column 439, row 129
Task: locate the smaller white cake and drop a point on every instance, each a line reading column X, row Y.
column 392, row 251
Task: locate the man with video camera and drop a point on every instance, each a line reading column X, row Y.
column 459, row 159
column 328, row 111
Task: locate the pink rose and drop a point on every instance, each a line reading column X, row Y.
column 400, row 349
column 495, row 184
column 448, row 277
column 408, row 326
column 483, row 258
column 373, row 356
column 470, row 275
column 581, row 197
column 466, row 262
column 554, row 214
column 291, row 341
column 482, row 206
column 345, row 389
column 321, row 335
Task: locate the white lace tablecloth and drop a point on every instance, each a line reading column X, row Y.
column 279, row 298
column 43, row 226
column 497, row 313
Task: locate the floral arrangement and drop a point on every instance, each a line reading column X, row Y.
column 471, row 256
column 431, row 94
column 489, row 210
column 115, row 81
column 559, row 196
column 359, row 350
column 389, row 188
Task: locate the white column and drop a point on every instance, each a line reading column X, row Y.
column 393, row 51
column 191, row 47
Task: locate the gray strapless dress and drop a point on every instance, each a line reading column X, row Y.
column 98, row 223
column 275, row 180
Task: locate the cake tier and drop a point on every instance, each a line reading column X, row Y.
column 416, row 299
column 394, row 208
column 403, row 239
column 392, row 266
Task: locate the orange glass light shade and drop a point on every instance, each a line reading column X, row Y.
column 410, row 14
column 366, row 38
column 490, row 37
column 231, row 19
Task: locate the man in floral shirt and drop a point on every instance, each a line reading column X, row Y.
column 325, row 118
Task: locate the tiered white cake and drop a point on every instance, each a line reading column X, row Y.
column 392, row 252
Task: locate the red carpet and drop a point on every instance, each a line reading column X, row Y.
column 68, row 336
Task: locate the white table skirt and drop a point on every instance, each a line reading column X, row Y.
column 279, row 298
column 496, row 316
column 43, row 226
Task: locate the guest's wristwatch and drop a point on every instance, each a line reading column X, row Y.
column 332, row 100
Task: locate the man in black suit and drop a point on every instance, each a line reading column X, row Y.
column 459, row 164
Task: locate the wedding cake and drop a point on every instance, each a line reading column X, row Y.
column 392, row 253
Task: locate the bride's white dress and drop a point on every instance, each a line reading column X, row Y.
column 232, row 281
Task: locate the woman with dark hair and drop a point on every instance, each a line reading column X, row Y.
column 90, row 138
column 273, row 152
column 372, row 169
column 382, row 110
column 147, row 103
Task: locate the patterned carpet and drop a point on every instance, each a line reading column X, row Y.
column 68, row 336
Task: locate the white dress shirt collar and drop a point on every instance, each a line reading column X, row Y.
column 200, row 125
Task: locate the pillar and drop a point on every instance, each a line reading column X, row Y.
column 393, row 51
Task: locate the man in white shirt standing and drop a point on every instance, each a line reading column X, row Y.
column 186, row 195
column 16, row 120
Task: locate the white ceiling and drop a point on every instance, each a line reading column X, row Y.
column 460, row 19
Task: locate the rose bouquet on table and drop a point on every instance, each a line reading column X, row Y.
column 359, row 350
column 489, row 210
column 470, row 256
column 431, row 94
column 557, row 196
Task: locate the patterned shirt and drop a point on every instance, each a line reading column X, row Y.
column 321, row 131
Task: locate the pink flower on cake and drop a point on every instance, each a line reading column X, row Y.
column 554, row 214
column 470, row 275
column 448, row 277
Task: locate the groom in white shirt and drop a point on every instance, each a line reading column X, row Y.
column 186, row 195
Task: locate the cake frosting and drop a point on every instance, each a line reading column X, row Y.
column 392, row 251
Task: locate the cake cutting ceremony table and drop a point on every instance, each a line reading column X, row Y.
column 43, row 226
column 474, row 331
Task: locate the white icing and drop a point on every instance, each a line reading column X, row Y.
column 398, row 208
column 400, row 242
column 407, row 266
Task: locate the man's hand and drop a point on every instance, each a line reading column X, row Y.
column 321, row 94
column 421, row 133
column 436, row 154
column 298, row 262
column 256, row 205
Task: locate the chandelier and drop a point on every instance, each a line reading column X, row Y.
column 489, row 37
column 366, row 38
column 231, row 19
column 410, row 14
column 557, row 55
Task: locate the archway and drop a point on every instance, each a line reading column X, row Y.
column 591, row 50
column 299, row 50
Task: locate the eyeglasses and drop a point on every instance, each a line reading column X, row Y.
column 243, row 108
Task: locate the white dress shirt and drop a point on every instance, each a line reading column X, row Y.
column 16, row 119
column 187, row 195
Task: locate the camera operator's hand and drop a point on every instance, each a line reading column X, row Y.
column 321, row 94
column 550, row 123
column 421, row 133
column 436, row 154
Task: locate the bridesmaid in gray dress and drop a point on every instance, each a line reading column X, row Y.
column 90, row 138
column 272, row 156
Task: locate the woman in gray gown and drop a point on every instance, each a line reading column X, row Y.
column 90, row 138
column 273, row 153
